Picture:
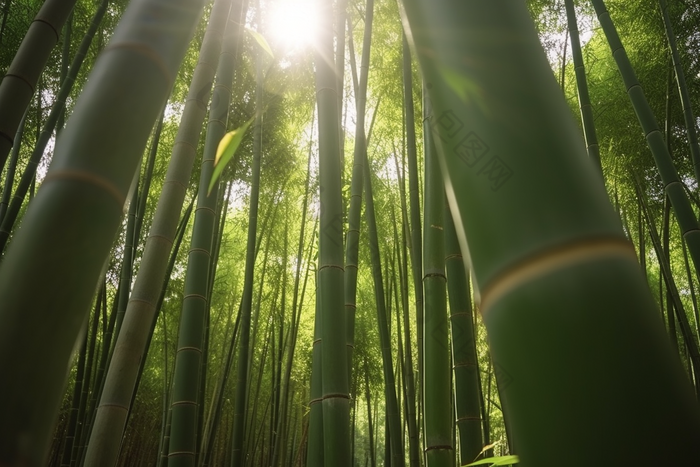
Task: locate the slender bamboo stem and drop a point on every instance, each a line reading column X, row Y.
column 673, row 187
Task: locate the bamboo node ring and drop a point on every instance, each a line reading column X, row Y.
column 90, row 179
column 550, row 261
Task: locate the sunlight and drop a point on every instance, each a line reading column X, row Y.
column 293, row 24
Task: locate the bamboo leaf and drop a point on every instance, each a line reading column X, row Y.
column 225, row 151
column 260, row 39
column 494, row 461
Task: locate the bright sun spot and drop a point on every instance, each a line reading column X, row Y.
column 293, row 24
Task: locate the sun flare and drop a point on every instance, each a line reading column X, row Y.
column 293, row 24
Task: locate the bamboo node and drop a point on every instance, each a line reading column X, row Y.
column 146, row 52
column 466, row 419
column 336, row 396
column 25, row 80
column 552, row 260
column 445, row 447
column 51, row 26
column 89, row 178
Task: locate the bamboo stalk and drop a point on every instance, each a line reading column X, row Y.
column 673, row 187
column 18, row 85
column 572, row 325
column 68, row 233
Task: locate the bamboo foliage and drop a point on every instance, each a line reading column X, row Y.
column 568, row 275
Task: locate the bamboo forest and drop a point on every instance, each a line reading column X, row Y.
column 349, row 233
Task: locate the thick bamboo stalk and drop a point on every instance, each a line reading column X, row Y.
column 572, row 325
column 314, row 447
column 68, row 233
column 20, row 81
column 49, row 125
column 130, row 345
column 330, row 295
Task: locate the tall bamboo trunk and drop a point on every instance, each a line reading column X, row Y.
column 68, row 233
column 353, row 236
column 242, row 371
column 584, row 99
column 464, row 356
column 190, row 357
column 673, row 187
column 20, row 81
column 49, row 125
column 334, row 373
column 690, row 121
column 393, row 416
column 572, row 325
column 437, row 387
column 130, row 345
column 415, row 209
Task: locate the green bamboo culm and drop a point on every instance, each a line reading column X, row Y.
column 330, row 294
column 314, row 449
column 131, row 342
column 11, row 170
column 393, row 414
column 584, row 99
column 18, row 85
column 673, row 293
column 690, row 122
column 69, row 229
column 47, row 130
column 415, row 221
column 190, row 347
column 673, row 187
column 241, row 401
column 572, row 325
column 464, row 356
column 352, row 245
column 437, row 393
